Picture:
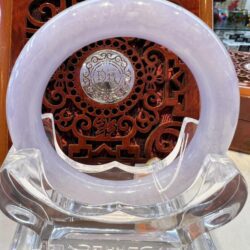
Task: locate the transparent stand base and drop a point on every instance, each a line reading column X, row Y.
column 50, row 220
column 29, row 240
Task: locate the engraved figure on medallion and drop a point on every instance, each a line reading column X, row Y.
column 107, row 76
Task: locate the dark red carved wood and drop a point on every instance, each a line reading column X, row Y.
column 241, row 141
column 144, row 125
column 242, row 61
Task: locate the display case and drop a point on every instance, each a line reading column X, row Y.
column 232, row 24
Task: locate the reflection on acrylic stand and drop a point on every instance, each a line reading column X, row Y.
column 181, row 145
column 53, row 221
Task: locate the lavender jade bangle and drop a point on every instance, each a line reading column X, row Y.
column 154, row 20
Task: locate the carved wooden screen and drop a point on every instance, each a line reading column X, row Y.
column 242, row 64
column 144, row 125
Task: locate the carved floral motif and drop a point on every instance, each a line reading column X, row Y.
column 242, row 64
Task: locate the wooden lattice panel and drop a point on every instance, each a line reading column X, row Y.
column 144, row 125
column 242, row 64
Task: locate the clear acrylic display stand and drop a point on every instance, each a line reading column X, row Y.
column 49, row 220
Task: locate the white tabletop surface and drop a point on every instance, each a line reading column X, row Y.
column 234, row 236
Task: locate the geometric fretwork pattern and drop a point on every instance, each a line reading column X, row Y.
column 242, row 65
column 144, row 125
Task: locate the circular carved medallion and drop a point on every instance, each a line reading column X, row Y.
column 247, row 66
column 107, row 76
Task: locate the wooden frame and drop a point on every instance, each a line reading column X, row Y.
column 7, row 57
column 5, row 66
column 206, row 12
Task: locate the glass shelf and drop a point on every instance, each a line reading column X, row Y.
column 232, row 23
column 231, row 28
